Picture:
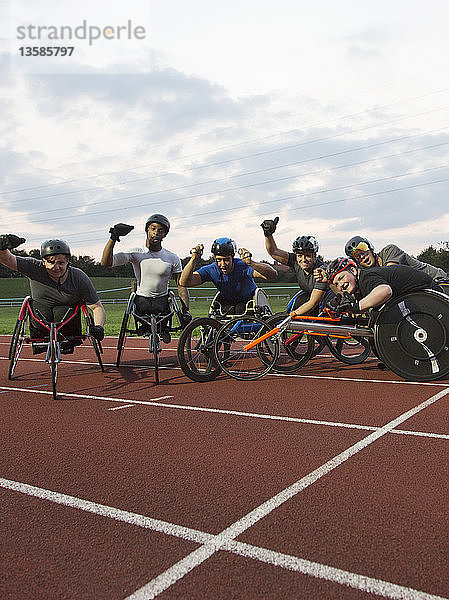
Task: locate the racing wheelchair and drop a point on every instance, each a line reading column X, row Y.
column 196, row 345
column 56, row 342
column 349, row 350
column 409, row 334
column 151, row 326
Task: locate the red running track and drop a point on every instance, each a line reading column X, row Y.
column 328, row 484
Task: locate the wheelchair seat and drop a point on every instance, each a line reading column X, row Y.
column 258, row 305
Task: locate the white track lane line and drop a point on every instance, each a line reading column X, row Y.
column 222, row 411
column 270, row 374
column 226, row 539
column 177, row 571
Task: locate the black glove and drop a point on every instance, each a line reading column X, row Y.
column 269, row 226
column 97, row 331
column 120, row 229
column 344, row 304
column 186, row 317
column 9, row 241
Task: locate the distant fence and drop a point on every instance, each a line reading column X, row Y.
column 5, row 302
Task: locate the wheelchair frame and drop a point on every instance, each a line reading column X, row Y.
column 55, row 337
column 410, row 333
column 196, row 345
column 153, row 323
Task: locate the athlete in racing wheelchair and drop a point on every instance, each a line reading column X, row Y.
column 238, row 295
column 61, row 298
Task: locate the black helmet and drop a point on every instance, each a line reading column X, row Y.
column 52, row 247
column 224, row 246
column 305, row 243
column 337, row 265
column 158, row 219
column 358, row 243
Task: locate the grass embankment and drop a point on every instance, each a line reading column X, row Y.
column 19, row 288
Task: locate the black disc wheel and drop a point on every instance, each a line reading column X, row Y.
column 295, row 347
column 411, row 335
column 235, row 357
column 16, row 345
column 196, row 355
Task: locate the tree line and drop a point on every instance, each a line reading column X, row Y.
column 438, row 257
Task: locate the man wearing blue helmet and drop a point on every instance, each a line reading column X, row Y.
column 233, row 277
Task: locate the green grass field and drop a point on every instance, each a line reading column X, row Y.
column 18, row 288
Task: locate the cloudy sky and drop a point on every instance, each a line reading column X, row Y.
column 333, row 116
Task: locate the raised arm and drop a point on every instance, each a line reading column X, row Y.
column 9, row 241
column 189, row 277
column 269, row 227
column 261, row 270
column 116, row 231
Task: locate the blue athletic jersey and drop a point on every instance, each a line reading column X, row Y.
column 237, row 287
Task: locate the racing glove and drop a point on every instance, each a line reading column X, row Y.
column 120, row 229
column 269, row 226
column 344, row 304
column 9, row 241
column 97, row 331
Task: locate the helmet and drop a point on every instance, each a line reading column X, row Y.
column 158, row 219
column 52, row 247
column 336, row 266
column 305, row 243
column 357, row 243
column 224, row 246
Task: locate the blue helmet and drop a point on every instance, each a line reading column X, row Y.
column 224, row 246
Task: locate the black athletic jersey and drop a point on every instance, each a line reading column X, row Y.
column 400, row 278
column 306, row 281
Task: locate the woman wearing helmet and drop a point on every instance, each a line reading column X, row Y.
column 362, row 252
column 359, row 290
column 55, row 285
column 233, row 277
column 153, row 269
column 307, row 267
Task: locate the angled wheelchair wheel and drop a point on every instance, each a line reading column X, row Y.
column 295, row 348
column 235, row 359
column 15, row 348
column 155, row 347
column 351, row 351
column 411, row 335
column 195, row 350
column 123, row 332
column 53, row 357
column 89, row 322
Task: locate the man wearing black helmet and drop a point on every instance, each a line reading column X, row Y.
column 233, row 277
column 153, row 268
column 55, row 286
column 362, row 252
column 305, row 263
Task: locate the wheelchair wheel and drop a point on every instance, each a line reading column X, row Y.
column 89, row 322
column 351, row 351
column 230, row 352
column 53, row 358
column 195, row 350
column 295, row 348
column 155, row 347
column 411, row 335
column 17, row 341
column 122, row 335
